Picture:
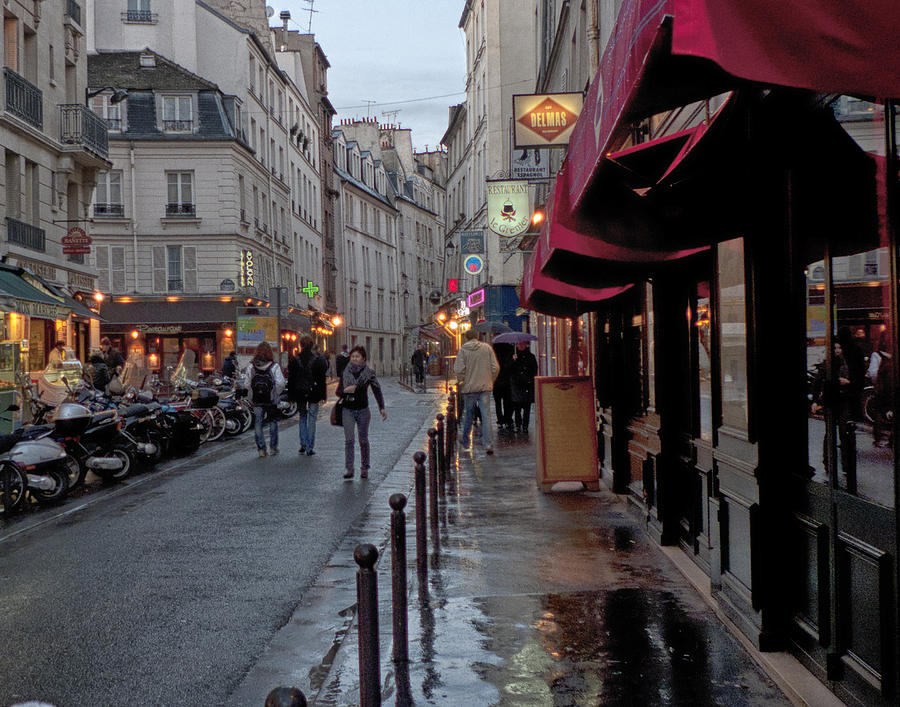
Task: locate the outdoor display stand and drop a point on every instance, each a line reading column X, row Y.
column 566, row 431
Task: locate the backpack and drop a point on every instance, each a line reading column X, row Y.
column 262, row 383
column 306, row 384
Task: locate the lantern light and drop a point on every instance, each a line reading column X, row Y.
column 336, row 321
column 228, row 333
column 98, row 296
column 134, row 334
column 453, row 325
column 441, row 317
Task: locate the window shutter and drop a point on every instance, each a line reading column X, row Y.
column 117, row 254
column 159, row 268
column 102, row 264
column 189, row 256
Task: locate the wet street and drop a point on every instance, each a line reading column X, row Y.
column 166, row 589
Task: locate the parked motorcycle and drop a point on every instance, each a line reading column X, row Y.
column 36, row 466
column 94, row 441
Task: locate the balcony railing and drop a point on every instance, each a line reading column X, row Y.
column 24, row 99
column 108, row 210
column 114, row 124
column 78, row 125
column 178, row 126
column 175, row 285
column 181, row 210
column 73, row 10
column 25, row 235
column 143, row 16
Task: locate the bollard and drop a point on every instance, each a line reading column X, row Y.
column 421, row 529
column 285, row 697
column 398, row 576
column 441, row 451
column 451, row 430
column 433, row 485
column 367, row 618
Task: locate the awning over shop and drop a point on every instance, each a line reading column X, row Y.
column 29, row 300
column 208, row 313
column 667, row 53
column 433, row 331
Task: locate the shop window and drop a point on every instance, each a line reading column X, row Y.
column 733, row 340
column 701, row 322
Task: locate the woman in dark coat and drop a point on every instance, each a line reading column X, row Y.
column 522, row 371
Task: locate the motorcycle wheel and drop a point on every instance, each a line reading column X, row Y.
column 128, row 460
column 60, row 488
column 205, row 420
column 77, row 471
column 151, row 460
column 218, row 424
column 234, row 422
column 247, row 417
column 13, row 484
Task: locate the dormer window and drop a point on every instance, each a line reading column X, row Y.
column 147, row 61
column 112, row 113
column 177, row 114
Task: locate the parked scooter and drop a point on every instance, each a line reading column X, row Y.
column 37, row 466
column 94, row 440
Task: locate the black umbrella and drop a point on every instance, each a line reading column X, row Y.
column 491, row 328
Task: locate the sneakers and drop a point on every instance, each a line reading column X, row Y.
column 262, row 453
column 364, row 474
column 309, row 452
column 489, row 451
column 348, row 474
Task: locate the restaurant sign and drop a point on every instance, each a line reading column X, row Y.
column 41, row 310
column 246, row 276
column 76, row 242
column 508, row 205
column 546, row 119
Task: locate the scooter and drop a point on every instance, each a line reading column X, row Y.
column 41, row 463
column 94, row 440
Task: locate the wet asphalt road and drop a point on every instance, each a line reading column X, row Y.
column 165, row 592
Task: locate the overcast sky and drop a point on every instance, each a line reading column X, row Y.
column 389, row 51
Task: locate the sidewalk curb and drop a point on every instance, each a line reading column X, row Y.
column 314, row 648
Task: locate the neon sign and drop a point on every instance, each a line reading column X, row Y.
column 475, row 299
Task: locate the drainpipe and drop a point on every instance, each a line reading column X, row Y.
column 133, row 215
column 593, row 37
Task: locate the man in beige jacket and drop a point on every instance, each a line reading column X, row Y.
column 476, row 369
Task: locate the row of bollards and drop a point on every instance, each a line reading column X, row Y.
column 441, row 447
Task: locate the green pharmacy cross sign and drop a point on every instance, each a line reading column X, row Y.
column 310, row 290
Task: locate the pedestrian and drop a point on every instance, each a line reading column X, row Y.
column 111, row 355
column 476, row 368
column 57, row 354
column 229, row 365
column 306, row 386
column 353, row 390
column 882, row 402
column 418, row 365
column 99, row 375
column 523, row 369
column 265, row 381
column 341, row 361
column 503, row 405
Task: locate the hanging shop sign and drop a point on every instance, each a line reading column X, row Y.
column 546, row 119
column 246, row 272
column 76, row 242
column 227, row 285
column 529, row 164
column 475, row 299
column 473, row 264
column 508, row 205
column 471, row 242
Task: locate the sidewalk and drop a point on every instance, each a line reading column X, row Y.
column 532, row 599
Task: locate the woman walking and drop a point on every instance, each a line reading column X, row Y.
column 353, row 390
column 265, row 380
column 523, row 369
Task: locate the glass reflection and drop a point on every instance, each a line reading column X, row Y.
column 704, row 361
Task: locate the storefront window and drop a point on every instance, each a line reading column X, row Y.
column 733, row 346
column 701, row 321
column 650, row 350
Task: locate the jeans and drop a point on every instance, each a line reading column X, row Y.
column 259, row 414
column 352, row 420
column 483, row 400
column 308, row 414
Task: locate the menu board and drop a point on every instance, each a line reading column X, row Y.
column 567, row 431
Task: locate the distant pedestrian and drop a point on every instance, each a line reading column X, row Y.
column 229, row 365
column 503, row 405
column 57, row 354
column 113, row 357
column 353, row 390
column 341, row 361
column 265, row 381
column 523, row 369
column 476, row 369
column 306, row 386
column 99, row 372
column 418, row 365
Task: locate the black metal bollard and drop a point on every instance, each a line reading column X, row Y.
column 433, row 485
column 441, row 451
column 421, row 519
column 451, row 430
column 367, row 605
column 398, row 576
column 285, row 697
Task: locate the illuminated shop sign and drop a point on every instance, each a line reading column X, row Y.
column 246, row 270
column 475, row 299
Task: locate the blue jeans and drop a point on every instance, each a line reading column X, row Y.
column 352, row 420
column 308, row 414
column 483, row 399
column 259, row 414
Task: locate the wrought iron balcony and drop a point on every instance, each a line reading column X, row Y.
column 181, row 210
column 25, row 235
column 175, row 285
column 114, row 210
column 78, row 125
column 73, row 10
column 178, row 126
column 24, row 99
column 142, row 16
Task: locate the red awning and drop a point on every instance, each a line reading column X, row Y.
column 541, row 293
column 666, row 53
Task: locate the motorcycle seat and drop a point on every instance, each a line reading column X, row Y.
column 7, row 442
column 136, row 410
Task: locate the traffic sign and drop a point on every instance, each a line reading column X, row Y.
column 473, row 264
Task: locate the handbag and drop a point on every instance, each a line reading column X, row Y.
column 337, row 414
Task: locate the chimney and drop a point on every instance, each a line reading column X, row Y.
column 285, row 15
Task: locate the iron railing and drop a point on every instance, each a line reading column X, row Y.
column 181, row 210
column 78, row 125
column 24, row 99
column 178, row 126
column 144, row 16
column 73, row 10
column 109, row 210
column 175, row 285
column 26, row 235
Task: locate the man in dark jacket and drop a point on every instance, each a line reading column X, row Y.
column 341, row 361
column 229, row 365
column 99, row 372
column 523, row 369
column 111, row 355
column 306, row 384
column 418, row 365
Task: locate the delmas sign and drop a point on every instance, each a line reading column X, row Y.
column 545, row 120
column 509, row 207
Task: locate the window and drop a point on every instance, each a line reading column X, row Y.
column 180, row 194
column 108, row 194
column 252, row 74
column 112, row 113
column 177, row 114
column 52, row 65
column 242, row 197
column 110, row 264
column 174, row 268
column 139, row 11
column 174, row 280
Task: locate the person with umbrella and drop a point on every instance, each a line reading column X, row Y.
column 523, row 369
